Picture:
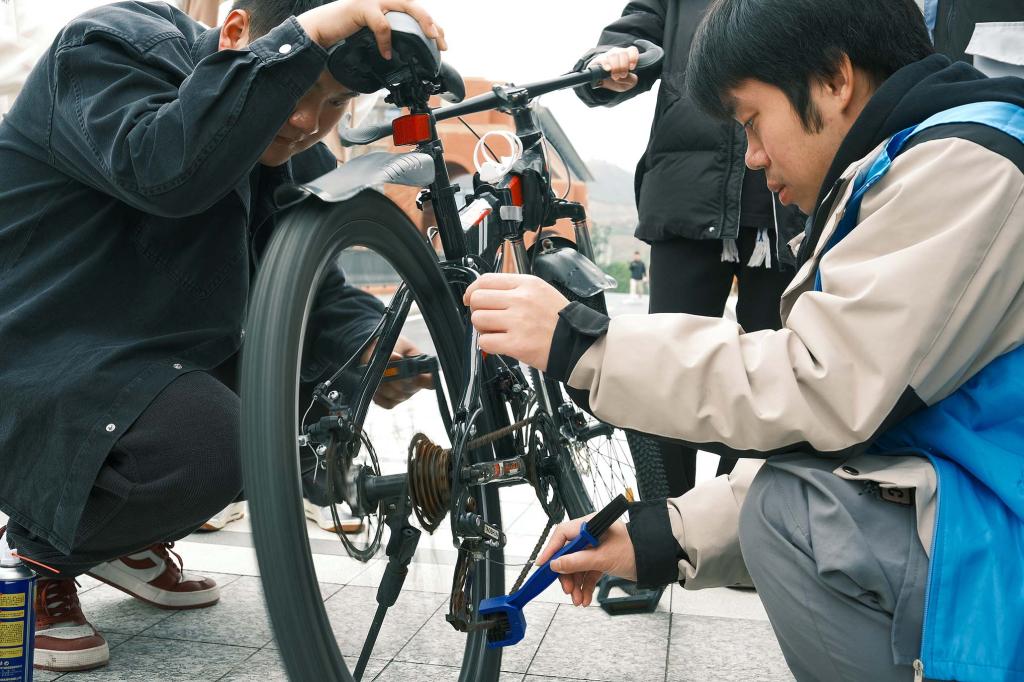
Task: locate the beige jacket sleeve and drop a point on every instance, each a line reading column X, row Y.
column 713, row 548
column 911, row 302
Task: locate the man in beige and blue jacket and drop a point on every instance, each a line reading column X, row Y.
column 879, row 509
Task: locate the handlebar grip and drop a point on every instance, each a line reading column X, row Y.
column 650, row 57
column 354, row 137
column 650, row 54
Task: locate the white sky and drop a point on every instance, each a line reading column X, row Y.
column 498, row 40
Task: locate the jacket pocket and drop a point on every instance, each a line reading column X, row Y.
column 198, row 253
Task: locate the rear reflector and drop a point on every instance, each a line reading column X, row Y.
column 411, row 129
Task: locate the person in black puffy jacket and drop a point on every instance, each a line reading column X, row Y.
column 707, row 217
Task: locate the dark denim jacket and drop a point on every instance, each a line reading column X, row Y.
column 130, row 192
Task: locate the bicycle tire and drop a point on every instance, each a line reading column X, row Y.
column 297, row 254
column 573, row 492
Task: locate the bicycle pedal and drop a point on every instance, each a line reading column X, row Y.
column 636, row 600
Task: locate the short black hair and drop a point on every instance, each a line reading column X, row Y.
column 792, row 43
column 265, row 15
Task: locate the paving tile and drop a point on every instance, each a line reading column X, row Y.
column 629, row 647
column 115, row 639
column 239, row 618
column 544, row 678
column 351, row 611
column 438, row 643
column 719, row 649
column 110, row 611
column 45, row 675
column 399, row 671
column 145, row 659
column 266, row 666
column 422, row 577
column 718, row 602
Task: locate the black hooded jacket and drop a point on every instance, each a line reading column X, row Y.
column 132, row 213
column 691, row 181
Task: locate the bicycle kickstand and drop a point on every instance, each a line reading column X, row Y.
column 400, row 549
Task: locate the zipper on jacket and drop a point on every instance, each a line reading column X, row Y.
column 919, row 662
column 739, row 202
column 775, row 219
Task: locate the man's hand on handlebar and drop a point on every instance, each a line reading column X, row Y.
column 620, row 62
column 335, row 21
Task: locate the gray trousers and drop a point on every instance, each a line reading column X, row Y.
column 841, row 571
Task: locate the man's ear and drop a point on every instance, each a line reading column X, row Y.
column 841, row 84
column 234, row 32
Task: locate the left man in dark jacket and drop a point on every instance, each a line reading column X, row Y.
column 137, row 171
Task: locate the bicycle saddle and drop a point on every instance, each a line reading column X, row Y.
column 357, row 64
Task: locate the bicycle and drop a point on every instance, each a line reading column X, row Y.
column 504, row 425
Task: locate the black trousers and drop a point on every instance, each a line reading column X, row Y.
column 174, row 468
column 689, row 276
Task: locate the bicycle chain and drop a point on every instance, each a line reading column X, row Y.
column 493, row 436
column 533, row 557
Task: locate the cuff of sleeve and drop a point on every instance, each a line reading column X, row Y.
column 289, row 44
column 577, row 329
column 655, row 548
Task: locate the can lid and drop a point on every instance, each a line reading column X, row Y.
column 7, row 558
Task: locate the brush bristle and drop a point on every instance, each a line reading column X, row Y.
column 500, row 629
column 604, row 519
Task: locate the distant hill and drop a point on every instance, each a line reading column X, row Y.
column 612, row 184
column 612, row 212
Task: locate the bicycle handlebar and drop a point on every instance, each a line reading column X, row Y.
column 650, row 56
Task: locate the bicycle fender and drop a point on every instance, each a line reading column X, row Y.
column 574, row 271
column 369, row 171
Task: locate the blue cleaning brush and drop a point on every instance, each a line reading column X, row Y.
column 507, row 611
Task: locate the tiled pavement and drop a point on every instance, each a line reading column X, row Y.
column 710, row 635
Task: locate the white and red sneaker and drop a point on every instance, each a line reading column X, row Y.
column 65, row 640
column 154, row 577
column 322, row 517
column 232, row 512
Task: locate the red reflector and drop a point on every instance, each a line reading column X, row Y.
column 411, row 129
column 515, row 186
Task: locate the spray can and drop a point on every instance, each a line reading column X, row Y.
column 17, row 618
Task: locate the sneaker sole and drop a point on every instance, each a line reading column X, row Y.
column 71, row 661
column 162, row 599
column 313, row 514
column 209, row 527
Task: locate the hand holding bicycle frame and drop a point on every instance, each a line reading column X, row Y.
column 516, row 315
